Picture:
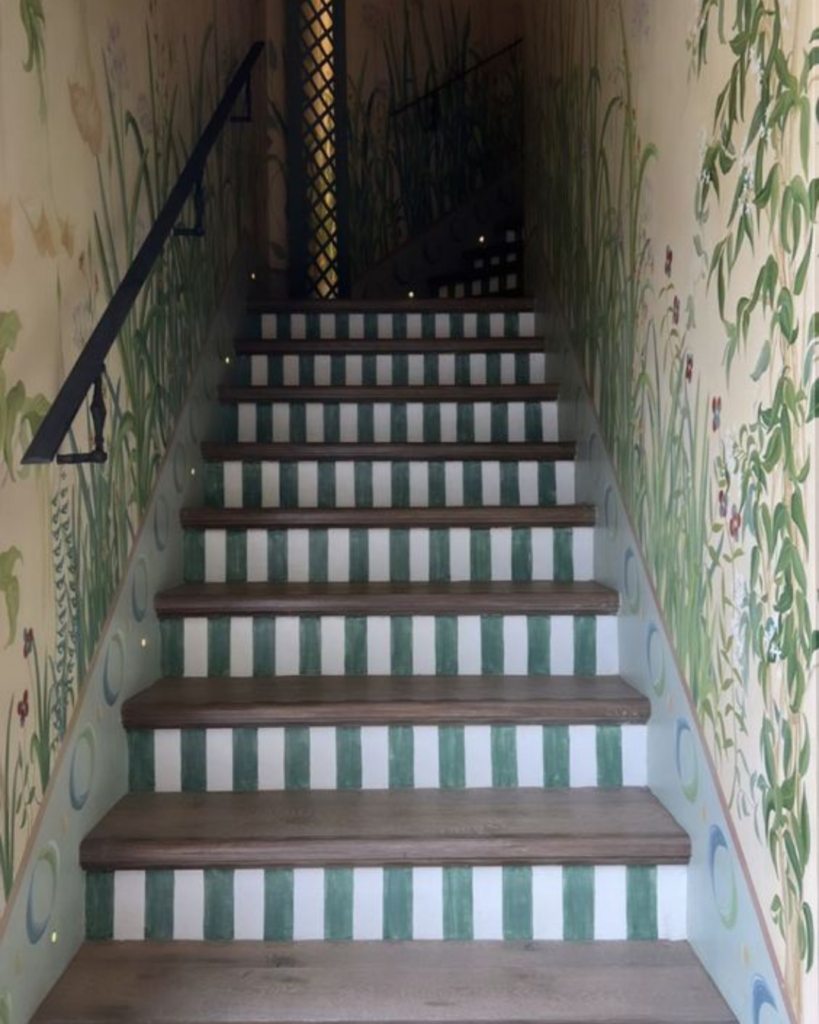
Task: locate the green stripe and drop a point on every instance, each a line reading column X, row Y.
column 463, row 370
column 289, row 485
column 521, row 556
column 504, row 756
column 366, row 422
column 218, row 905
column 547, row 483
column 578, row 904
column 277, row 568
column 401, row 645
column 432, row 423
column 430, row 368
column 563, row 556
column 359, row 556
column 348, row 757
column 510, row 484
column 278, row 905
column 236, row 556
column 319, row 541
column 194, row 761
column 326, row 485
column 400, row 484
column 492, row 645
column 500, row 422
column 141, row 777
column 245, row 760
column 533, row 421
column 332, row 423
column 458, row 904
column 556, row 756
column 194, row 556
column 517, row 904
column 264, row 423
column 307, row 369
column 473, row 484
column 609, row 756
column 364, row 484
column 641, row 903
column 398, row 904
column 439, row 556
column 585, row 646
column 338, row 371
column 466, row 423
column 297, row 757
column 480, row 542
column 452, row 757
column 401, row 746
column 522, row 368
column 338, row 904
column 172, row 636
column 493, row 369
column 540, row 645
column 264, row 647
column 355, row 646
column 298, row 423
column 99, row 905
column 398, row 423
column 214, row 485
column 218, row 647
column 400, row 369
column 437, row 485
column 446, row 645
column 252, row 485
column 310, row 646
column 159, row 890
column 400, row 556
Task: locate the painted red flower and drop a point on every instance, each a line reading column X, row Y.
column 676, row 310
column 28, row 642
column 689, row 368
column 669, row 261
column 23, row 708
column 716, row 413
column 723, row 504
column 735, row 524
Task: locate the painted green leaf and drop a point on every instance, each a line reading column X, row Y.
column 10, row 588
column 813, row 412
column 9, row 329
column 763, row 362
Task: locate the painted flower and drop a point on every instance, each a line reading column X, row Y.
column 23, row 708
column 6, row 236
column 689, row 368
column 669, row 261
column 66, row 235
column 87, row 115
column 28, row 642
column 42, row 234
column 735, row 524
column 723, row 504
column 676, row 310
column 716, row 413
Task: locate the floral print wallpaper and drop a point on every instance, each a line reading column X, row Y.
column 100, row 103
column 673, row 206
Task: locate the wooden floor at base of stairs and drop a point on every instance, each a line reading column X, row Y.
column 313, row 828
column 385, row 983
column 384, row 700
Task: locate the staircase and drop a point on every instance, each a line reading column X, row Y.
column 391, row 773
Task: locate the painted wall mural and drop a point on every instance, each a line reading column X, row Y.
column 673, row 208
column 409, row 169
column 100, row 104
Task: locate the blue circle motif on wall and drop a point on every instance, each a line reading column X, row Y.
column 655, row 659
column 140, row 590
column 688, row 769
column 42, row 892
column 81, row 776
column 113, row 672
column 723, row 880
column 762, row 997
column 162, row 523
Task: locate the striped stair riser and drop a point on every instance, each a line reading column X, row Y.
column 386, row 757
column 501, row 284
column 392, row 370
column 329, row 485
column 604, row 903
column 389, row 556
column 396, row 422
column 387, row 326
column 401, row 645
column 490, row 262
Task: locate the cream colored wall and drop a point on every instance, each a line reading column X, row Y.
column 637, row 266
column 100, row 103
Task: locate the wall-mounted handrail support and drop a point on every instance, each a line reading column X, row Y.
column 198, row 228
column 87, row 371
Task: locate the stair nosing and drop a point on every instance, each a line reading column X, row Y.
column 469, row 394
column 523, row 304
column 487, row 517
column 387, row 346
column 255, row 451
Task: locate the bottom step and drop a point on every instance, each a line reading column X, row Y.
column 529, row 983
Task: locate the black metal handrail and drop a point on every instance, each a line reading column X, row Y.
column 88, row 371
column 433, row 93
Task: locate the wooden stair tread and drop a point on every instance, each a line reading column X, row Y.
column 410, row 827
column 385, row 346
column 478, row 305
column 553, row 516
column 540, row 598
column 254, row 451
column 384, row 393
column 385, row 983
column 384, row 700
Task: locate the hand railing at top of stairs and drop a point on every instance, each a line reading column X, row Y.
column 87, row 373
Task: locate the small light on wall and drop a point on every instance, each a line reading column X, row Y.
column 482, row 240
column 143, row 643
column 253, row 276
column 193, row 471
column 411, row 295
column 227, row 360
column 53, row 938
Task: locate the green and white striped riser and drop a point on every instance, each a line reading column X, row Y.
column 391, row 422
column 511, row 645
column 385, row 484
column 482, row 287
column 384, row 555
column 386, row 757
column 386, row 326
column 393, row 369
column 520, row 903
